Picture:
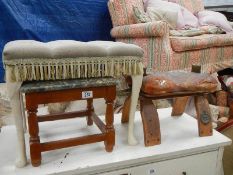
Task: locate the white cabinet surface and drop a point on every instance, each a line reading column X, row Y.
column 199, row 164
column 182, row 151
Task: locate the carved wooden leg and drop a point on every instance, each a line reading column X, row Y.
column 109, row 117
column 150, row 120
column 203, row 116
column 125, row 111
column 90, row 109
column 136, row 86
column 35, row 151
column 13, row 93
column 179, row 104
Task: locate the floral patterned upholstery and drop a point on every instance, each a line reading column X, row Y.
column 140, row 30
column 211, row 59
column 121, row 11
column 180, row 44
column 162, row 52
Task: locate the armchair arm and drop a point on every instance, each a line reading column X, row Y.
column 141, row 30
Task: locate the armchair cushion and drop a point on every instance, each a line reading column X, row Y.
column 141, row 30
column 180, row 44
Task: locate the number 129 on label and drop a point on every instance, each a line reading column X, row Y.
column 87, row 94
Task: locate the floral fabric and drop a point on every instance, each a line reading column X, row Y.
column 211, row 59
column 187, row 33
column 211, row 30
column 197, row 31
column 121, row 11
column 212, row 52
column 180, row 44
column 140, row 30
column 158, row 56
column 157, row 52
column 140, row 16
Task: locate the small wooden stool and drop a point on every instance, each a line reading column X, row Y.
column 69, row 90
column 177, row 85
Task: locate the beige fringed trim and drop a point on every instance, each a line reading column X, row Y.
column 84, row 67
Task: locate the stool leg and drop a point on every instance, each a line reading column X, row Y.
column 150, row 121
column 13, row 93
column 35, row 151
column 136, row 86
column 125, row 111
column 90, row 109
column 179, row 104
column 203, row 116
column 109, row 117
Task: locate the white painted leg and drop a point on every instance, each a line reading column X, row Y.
column 23, row 113
column 13, row 92
column 136, row 86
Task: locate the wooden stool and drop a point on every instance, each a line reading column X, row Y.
column 69, row 90
column 179, row 86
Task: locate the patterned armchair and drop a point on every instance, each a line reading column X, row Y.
column 162, row 52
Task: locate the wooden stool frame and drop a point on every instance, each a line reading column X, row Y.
column 149, row 114
column 33, row 99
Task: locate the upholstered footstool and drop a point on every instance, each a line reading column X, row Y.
column 27, row 60
column 180, row 86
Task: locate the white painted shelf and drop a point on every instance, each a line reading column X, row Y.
column 181, row 150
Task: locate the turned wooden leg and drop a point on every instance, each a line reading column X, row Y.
column 90, row 109
column 109, row 117
column 179, row 104
column 35, row 151
column 150, row 121
column 203, row 116
column 125, row 111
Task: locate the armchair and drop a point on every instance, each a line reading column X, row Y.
column 162, row 52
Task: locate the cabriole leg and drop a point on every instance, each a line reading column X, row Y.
column 136, row 86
